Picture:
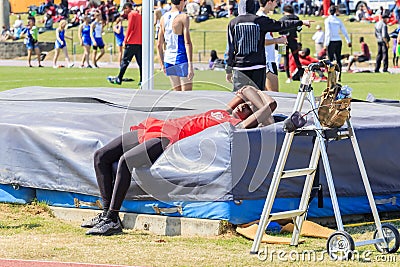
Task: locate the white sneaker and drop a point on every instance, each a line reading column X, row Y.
column 288, row 80
column 71, row 65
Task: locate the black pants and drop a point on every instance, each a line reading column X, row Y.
column 294, row 49
column 255, row 77
column 130, row 51
column 129, row 153
column 382, row 56
column 335, row 52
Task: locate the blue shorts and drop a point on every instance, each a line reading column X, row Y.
column 57, row 44
column 99, row 42
column 87, row 41
column 180, row 70
column 31, row 46
column 119, row 42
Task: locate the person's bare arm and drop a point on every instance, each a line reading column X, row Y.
column 188, row 45
column 279, row 40
column 92, row 34
column 160, row 44
column 80, row 34
column 263, row 106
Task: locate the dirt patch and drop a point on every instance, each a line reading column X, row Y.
column 37, row 209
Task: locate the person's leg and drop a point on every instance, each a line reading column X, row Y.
column 105, row 157
column 258, row 77
column 126, row 59
column 379, row 57
column 286, row 63
column 100, row 55
column 120, row 50
column 65, row 51
column 186, row 84
column 142, row 155
column 175, row 82
column 385, row 58
column 29, row 57
column 272, row 82
column 338, row 53
column 138, row 56
column 94, row 56
column 351, row 61
column 37, row 51
column 330, row 51
column 56, row 54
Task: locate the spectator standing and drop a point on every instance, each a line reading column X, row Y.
column 85, row 41
column 397, row 49
column 382, row 37
column 119, row 37
column 272, row 82
column 333, row 41
column 365, row 55
column 31, row 40
column 96, row 34
column 292, row 47
column 325, row 5
column 318, row 38
column 176, row 60
column 61, row 44
column 132, row 43
column 246, row 41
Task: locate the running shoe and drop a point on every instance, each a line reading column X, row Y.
column 94, row 221
column 113, row 80
column 106, row 227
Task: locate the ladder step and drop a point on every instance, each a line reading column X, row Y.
column 297, row 172
column 286, row 214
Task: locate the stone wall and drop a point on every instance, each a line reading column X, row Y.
column 10, row 50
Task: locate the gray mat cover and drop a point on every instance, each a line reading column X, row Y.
column 48, row 137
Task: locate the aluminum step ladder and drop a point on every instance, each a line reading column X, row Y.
column 340, row 244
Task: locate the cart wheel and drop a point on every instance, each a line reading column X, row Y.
column 392, row 236
column 340, row 246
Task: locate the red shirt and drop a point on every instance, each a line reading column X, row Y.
column 365, row 50
column 134, row 30
column 179, row 128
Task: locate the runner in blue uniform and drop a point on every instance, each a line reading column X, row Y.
column 61, row 44
column 119, row 37
column 96, row 32
column 85, row 41
column 176, row 59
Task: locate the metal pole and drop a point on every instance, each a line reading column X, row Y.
column 147, row 45
column 204, row 43
column 4, row 13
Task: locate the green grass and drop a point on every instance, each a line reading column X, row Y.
column 381, row 85
column 30, row 232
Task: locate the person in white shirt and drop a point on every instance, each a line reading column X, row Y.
column 318, row 38
column 333, row 41
column 271, row 82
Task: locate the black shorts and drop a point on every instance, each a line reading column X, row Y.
column 362, row 58
column 272, row 68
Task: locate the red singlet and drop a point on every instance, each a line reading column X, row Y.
column 179, row 128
